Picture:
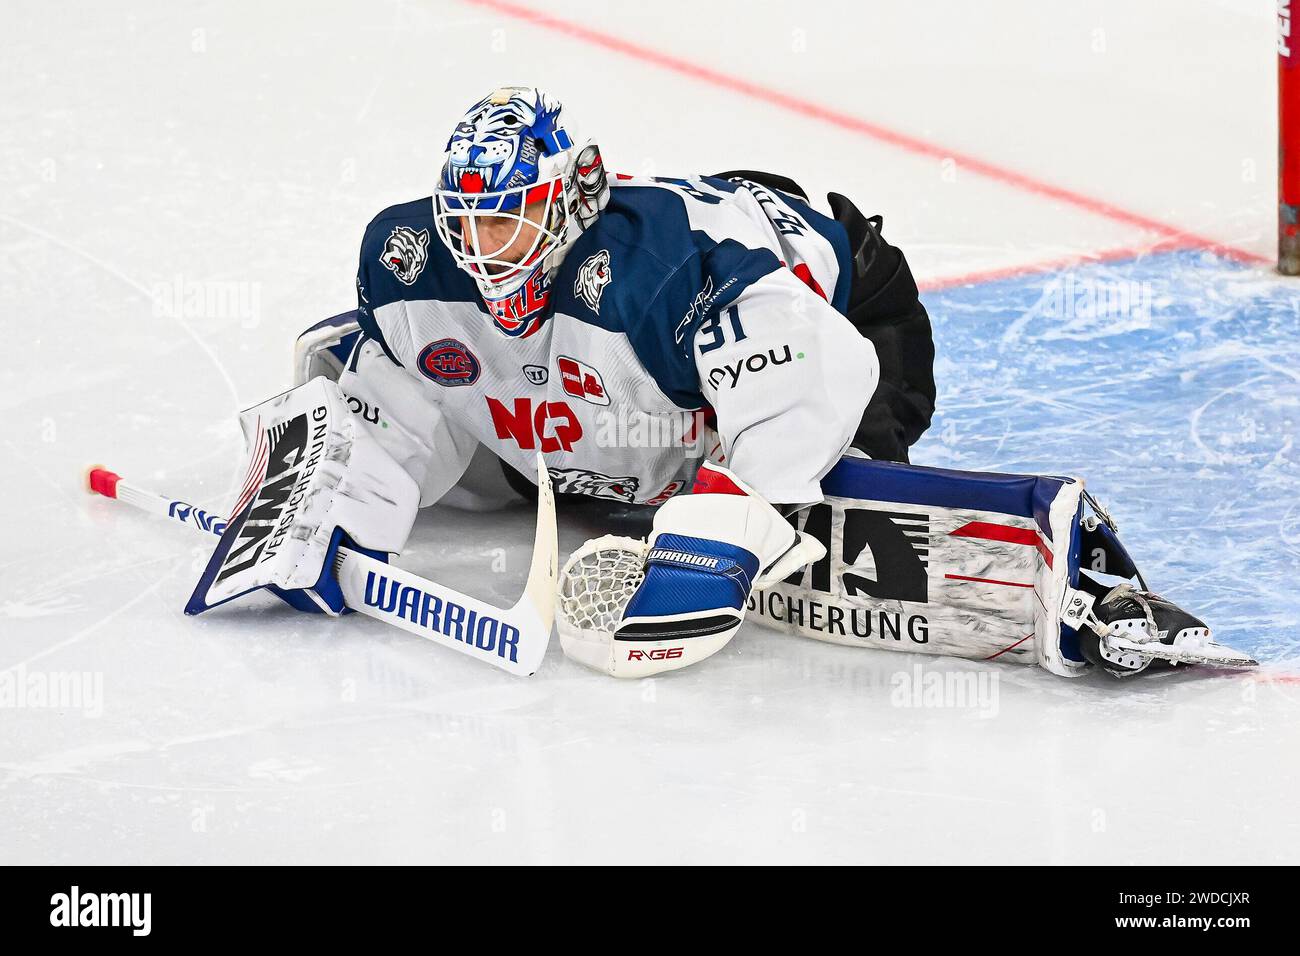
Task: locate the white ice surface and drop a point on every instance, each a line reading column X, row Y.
column 153, row 146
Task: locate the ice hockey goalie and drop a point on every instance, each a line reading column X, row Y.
column 756, row 370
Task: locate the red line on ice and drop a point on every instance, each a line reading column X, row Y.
column 1117, row 254
column 845, row 121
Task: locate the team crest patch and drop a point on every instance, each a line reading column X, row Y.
column 406, row 252
column 449, row 362
column 579, row 481
column 593, row 276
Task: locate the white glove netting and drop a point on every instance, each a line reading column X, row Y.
column 596, row 583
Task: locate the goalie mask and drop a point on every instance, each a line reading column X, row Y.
column 516, row 190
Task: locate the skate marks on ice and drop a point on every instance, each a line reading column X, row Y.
column 315, row 741
column 1171, row 383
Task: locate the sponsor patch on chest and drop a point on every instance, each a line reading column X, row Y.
column 581, row 380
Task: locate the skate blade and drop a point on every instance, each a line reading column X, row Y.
column 1204, row 652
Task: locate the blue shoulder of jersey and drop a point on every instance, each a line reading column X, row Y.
column 402, row 259
column 661, row 279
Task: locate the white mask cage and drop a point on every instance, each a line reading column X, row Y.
column 457, row 217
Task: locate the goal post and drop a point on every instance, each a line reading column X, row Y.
column 1288, row 140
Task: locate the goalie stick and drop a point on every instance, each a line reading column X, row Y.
column 513, row 639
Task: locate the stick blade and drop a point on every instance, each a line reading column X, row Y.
column 543, row 572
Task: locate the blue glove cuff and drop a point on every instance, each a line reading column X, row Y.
column 686, row 574
column 327, row 585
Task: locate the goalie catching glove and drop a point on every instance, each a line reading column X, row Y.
column 634, row 608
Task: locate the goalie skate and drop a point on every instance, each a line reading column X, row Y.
column 1129, row 629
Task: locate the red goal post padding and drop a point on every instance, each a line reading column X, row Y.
column 1288, row 89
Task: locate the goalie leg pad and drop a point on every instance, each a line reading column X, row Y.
column 983, row 566
column 324, row 348
column 935, row 561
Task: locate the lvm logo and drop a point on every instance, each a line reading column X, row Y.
column 883, row 556
column 886, row 554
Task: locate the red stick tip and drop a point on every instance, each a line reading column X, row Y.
column 102, row 481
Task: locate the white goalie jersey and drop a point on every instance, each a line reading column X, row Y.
column 696, row 319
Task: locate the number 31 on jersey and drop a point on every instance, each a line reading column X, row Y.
column 712, row 334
